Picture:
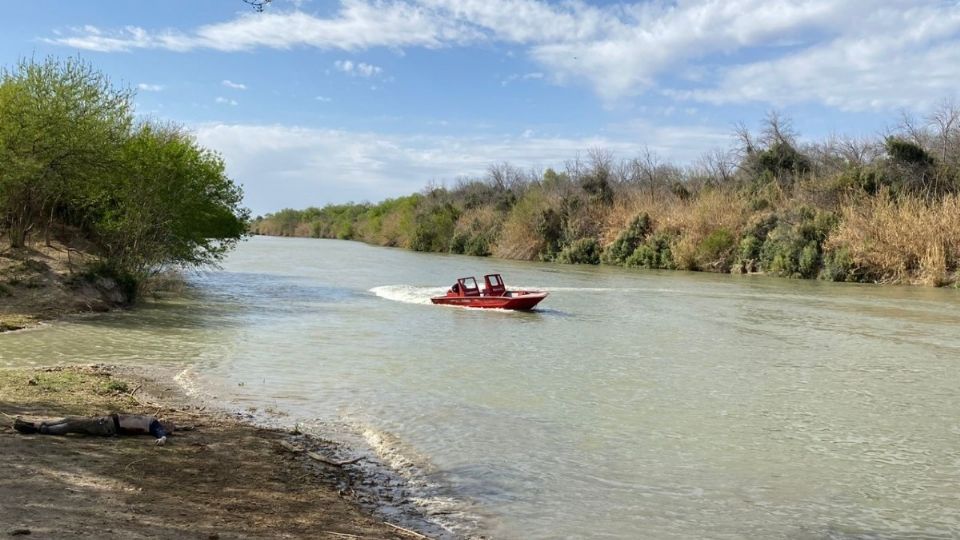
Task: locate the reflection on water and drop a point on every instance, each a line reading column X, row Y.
column 633, row 404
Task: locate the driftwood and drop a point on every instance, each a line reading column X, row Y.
column 315, row 456
column 407, row 531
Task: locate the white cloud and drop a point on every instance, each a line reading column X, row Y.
column 279, row 164
column 846, row 54
column 226, row 101
column 324, row 99
column 892, row 59
column 150, row 87
column 236, row 86
column 357, row 69
column 359, row 24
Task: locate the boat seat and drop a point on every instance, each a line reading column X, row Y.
column 495, row 291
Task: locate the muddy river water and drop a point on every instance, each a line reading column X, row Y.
column 632, row 405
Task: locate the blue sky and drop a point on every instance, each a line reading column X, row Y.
column 316, row 102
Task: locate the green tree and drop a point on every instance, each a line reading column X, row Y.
column 170, row 203
column 61, row 125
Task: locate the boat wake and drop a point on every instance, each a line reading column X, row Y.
column 408, row 294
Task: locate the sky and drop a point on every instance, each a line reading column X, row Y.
column 315, row 102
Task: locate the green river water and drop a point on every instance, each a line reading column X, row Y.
column 632, row 405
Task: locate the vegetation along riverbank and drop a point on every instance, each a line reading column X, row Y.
column 94, row 202
column 882, row 210
column 217, row 477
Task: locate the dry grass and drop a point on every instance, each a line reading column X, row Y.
column 904, row 241
column 391, row 231
column 519, row 238
column 691, row 221
column 477, row 220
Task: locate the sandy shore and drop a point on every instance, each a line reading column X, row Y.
column 41, row 283
column 219, row 478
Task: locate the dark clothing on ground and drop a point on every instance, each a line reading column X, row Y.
column 115, row 424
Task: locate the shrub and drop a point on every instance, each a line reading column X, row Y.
column 458, row 244
column 478, row 246
column 653, row 253
column 838, row 266
column 550, row 229
column 628, row 241
column 520, row 236
column 582, row 251
column 715, row 252
column 907, row 152
column 809, row 260
column 750, row 248
column 434, row 228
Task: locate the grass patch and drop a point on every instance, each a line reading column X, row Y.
column 71, row 391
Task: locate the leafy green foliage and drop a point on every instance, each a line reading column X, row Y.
column 71, row 157
column 628, row 241
column 550, row 229
column 795, row 247
column 907, row 152
column 434, row 228
column 653, row 253
column 769, row 207
column 61, row 125
column 581, row 251
column 716, row 250
column 781, row 157
column 171, row 203
column 838, row 266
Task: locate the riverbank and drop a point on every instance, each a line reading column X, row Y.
column 43, row 282
column 218, row 477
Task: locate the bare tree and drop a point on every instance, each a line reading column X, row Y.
column 575, row 168
column 946, row 123
column 601, row 163
column 777, row 129
column 645, row 171
column 504, row 176
column 746, row 146
column 720, row 165
column 910, row 127
column 857, row 151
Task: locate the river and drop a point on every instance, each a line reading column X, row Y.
column 633, row 404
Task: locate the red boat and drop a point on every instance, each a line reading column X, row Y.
column 466, row 293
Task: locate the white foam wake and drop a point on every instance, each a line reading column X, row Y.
column 409, row 294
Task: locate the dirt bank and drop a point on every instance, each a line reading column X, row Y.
column 221, row 478
column 42, row 282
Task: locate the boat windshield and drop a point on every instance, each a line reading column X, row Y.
column 470, row 283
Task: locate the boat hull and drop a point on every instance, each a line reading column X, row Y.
column 515, row 301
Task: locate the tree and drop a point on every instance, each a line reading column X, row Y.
column 170, row 203
column 61, row 124
column 147, row 196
